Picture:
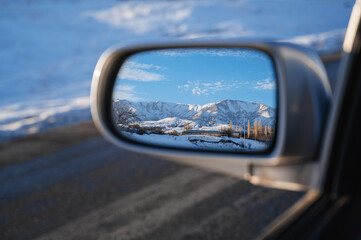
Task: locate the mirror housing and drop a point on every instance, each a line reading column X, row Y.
column 304, row 95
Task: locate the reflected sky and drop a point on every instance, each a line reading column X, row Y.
column 198, row 76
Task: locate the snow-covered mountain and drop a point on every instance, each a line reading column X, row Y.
column 164, row 114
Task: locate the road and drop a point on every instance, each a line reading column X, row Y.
column 70, row 183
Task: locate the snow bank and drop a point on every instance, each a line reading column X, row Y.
column 17, row 119
column 199, row 142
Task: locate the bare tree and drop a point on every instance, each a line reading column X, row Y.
column 231, row 126
column 187, row 127
column 248, row 129
column 123, row 114
column 269, row 130
column 260, row 128
column 226, row 131
column 255, row 129
column 266, row 130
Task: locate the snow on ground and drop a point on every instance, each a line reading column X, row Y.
column 49, row 48
column 168, row 124
column 177, row 124
column 199, row 142
column 19, row 119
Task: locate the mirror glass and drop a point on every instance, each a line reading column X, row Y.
column 209, row 99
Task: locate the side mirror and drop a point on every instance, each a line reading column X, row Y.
column 251, row 110
column 201, row 99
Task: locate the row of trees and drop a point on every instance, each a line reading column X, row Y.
column 257, row 131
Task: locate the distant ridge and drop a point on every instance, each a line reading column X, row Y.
column 207, row 115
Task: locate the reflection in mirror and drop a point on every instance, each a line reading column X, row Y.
column 209, row 99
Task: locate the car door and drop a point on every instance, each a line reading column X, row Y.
column 334, row 212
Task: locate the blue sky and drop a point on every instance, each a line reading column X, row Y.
column 198, row 76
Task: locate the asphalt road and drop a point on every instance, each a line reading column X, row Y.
column 84, row 188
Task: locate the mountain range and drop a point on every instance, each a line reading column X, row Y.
column 163, row 114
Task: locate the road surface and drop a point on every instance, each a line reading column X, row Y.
column 70, row 183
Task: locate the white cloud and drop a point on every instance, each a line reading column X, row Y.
column 134, row 64
column 175, row 53
column 198, row 88
column 146, row 17
column 265, row 84
column 134, row 71
column 220, row 52
column 125, row 92
column 226, row 30
column 139, row 75
column 208, row 88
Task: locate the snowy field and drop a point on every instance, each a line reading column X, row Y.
column 49, row 48
column 199, row 142
column 176, row 124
